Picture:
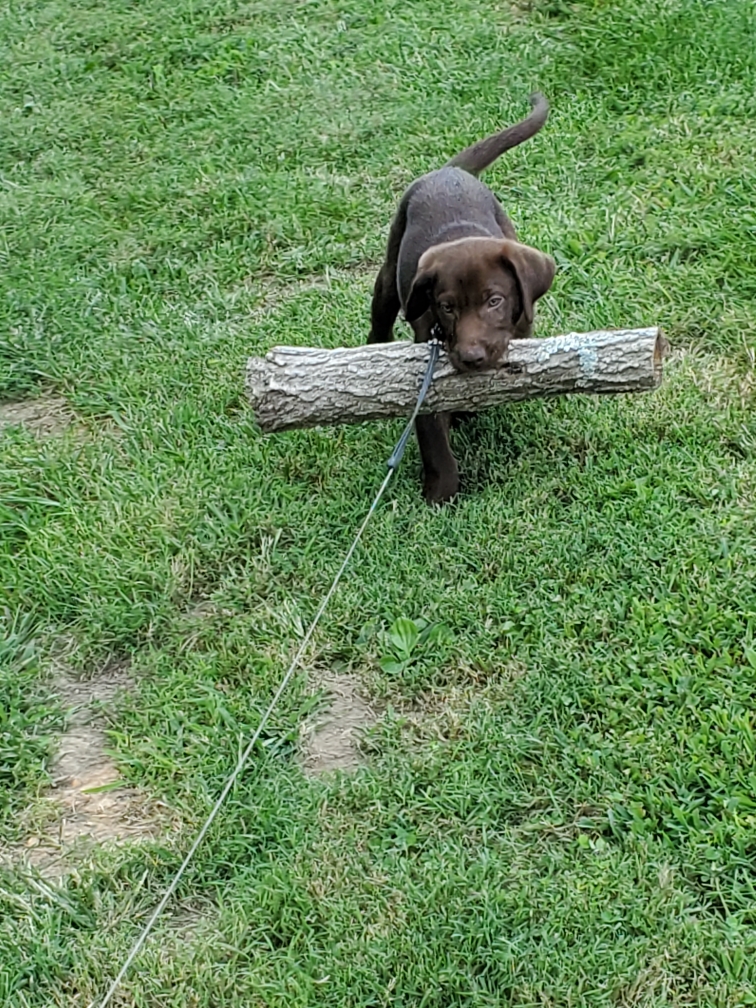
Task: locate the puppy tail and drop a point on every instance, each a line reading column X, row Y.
column 480, row 155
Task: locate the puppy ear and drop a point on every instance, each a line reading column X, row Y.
column 418, row 301
column 534, row 271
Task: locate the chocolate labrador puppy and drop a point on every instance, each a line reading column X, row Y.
column 454, row 265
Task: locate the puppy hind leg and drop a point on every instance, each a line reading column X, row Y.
column 385, row 305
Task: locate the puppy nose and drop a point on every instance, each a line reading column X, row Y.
column 473, row 356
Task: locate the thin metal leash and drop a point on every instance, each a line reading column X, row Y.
column 392, row 464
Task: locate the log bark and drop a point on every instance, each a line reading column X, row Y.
column 296, row 387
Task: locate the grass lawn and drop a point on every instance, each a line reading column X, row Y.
column 557, row 803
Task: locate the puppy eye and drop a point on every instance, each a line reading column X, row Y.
column 447, row 309
column 495, row 301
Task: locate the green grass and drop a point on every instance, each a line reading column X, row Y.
column 571, row 819
column 28, row 718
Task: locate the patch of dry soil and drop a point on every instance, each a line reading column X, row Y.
column 94, row 808
column 331, row 739
column 45, row 416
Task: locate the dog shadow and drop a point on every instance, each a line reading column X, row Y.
column 488, row 444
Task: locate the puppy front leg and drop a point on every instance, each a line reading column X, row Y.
column 440, row 472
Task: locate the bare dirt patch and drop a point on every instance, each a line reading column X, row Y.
column 45, row 416
column 331, row 739
column 91, row 805
column 445, row 714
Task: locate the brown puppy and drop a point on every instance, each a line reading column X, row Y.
column 454, row 262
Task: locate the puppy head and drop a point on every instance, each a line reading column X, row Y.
column 482, row 293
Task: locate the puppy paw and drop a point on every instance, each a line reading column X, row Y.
column 441, row 489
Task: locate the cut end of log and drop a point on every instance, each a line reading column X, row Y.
column 296, row 387
column 661, row 350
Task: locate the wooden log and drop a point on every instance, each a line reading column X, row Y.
column 296, row 387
